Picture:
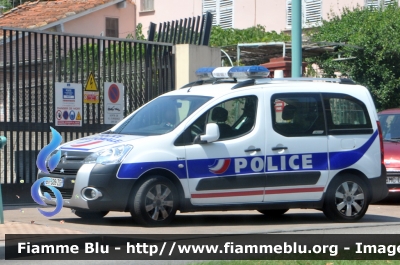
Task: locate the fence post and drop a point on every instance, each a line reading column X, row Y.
column 3, row 142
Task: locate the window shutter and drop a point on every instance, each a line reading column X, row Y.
column 211, row 6
column 373, row 3
column 379, row 3
column 312, row 13
column 288, row 13
column 226, row 14
column 388, row 2
column 146, row 5
column 112, row 27
column 222, row 11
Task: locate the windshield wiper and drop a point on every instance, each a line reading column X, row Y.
column 109, row 132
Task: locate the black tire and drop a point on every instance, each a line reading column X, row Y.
column 90, row 214
column 155, row 202
column 346, row 199
column 274, row 212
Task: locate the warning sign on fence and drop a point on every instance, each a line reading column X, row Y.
column 113, row 102
column 68, row 104
column 91, row 93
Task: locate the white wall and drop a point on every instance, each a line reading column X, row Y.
column 189, row 58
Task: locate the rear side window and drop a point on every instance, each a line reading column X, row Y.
column 346, row 115
column 298, row 114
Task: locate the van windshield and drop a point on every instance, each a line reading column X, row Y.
column 161, row 115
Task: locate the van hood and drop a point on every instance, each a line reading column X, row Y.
column 392, row 155
column 90, row 143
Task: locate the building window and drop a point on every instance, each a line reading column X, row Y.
column 378, row 3
column 112, row 27
column 146, row 5
column 311, row 13
column 222, row 11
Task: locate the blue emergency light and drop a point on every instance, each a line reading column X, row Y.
column 205, row 73
column 238, row 72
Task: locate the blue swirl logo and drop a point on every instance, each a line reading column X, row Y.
column 52, row 163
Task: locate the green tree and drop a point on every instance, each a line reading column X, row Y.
column 225, row 37
column 372, row 38
column 6, row 5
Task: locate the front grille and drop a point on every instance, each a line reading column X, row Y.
column 66, row 193
column 69, row 163
column 65, row 171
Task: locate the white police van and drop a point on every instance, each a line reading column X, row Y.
column 222, row 144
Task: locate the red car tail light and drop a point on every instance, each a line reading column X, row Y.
column 381, row 141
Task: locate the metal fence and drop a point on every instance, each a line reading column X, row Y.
column 31, row 62
column 193, row 30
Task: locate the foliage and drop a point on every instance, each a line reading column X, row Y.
column 6, row 4
column 138, row 33
column 114, row 53
column 371, row 36
column 224, row 37
column 9, row 4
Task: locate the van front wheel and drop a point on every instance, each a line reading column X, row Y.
column 156, row 202
column 90, row 214
column 346, row 199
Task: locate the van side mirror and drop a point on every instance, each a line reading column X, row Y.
column 212, row 133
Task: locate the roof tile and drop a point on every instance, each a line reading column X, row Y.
column 40, row 13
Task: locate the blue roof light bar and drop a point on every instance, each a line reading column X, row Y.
column 238, row 72
column 254, row 71
column 205, row 73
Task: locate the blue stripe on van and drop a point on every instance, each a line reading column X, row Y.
column 344, row 159
column 135, row 170
column 202, row 168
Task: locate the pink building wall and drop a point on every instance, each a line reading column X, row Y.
column 95, row 23
column 247, row 13
column 270, row 14
column 336, row 6
column 170, row 10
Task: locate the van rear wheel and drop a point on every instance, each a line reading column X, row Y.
column 156, row 202
column 346, row 199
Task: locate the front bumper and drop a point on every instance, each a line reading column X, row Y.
column 113, row 193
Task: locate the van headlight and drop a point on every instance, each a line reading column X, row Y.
column 113, row 155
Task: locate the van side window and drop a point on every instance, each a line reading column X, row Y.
column 346, row 115
column 234, row 117
column 297, row 114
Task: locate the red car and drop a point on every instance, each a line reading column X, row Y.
column 390, row 123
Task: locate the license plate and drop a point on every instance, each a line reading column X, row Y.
column 392, row 180
column 55, row 182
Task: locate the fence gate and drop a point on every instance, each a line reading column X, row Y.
column 31, row 62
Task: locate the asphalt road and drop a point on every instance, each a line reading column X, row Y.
column 382, row 218
column 379, row 217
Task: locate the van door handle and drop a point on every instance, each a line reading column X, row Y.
column 253, row 150
column 279, row 148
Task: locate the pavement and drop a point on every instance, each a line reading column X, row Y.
column 26, row 228
column 19, row 220
column 31, row 229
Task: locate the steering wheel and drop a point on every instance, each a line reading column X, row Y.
column 195, row 130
